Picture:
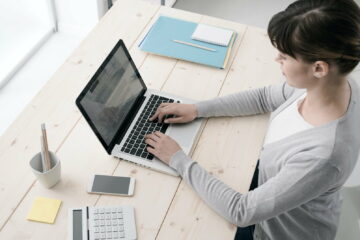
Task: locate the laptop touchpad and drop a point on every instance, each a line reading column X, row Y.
column 184, row 134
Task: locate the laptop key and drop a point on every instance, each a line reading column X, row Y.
column 164, row 127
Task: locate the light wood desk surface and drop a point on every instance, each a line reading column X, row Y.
column 165, row 207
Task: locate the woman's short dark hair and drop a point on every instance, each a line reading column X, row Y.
column 312, row 30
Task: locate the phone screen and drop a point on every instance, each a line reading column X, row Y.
column 111, row 184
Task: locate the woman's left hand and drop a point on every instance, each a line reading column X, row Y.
column 161, row 146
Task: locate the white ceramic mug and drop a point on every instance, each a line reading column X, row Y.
column 49, row 178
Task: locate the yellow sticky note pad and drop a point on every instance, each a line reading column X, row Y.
column 44, row 210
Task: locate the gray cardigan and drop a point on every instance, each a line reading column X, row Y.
column 299, row 176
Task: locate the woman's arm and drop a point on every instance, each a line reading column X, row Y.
column 298, row 182
column 256, row 101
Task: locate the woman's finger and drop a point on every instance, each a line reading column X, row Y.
column 153, row 117
column 152, row 137
column 151, row 150
column 156, row 114
column 158, row 134
column 174, row 120
column 164, row 105
column 150, row 142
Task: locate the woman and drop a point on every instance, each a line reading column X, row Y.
column 313, row 137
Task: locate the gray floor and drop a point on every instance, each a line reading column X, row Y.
column 251, row 12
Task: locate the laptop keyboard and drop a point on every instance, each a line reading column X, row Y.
column 135, row 143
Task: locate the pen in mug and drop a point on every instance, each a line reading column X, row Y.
column 194, row 45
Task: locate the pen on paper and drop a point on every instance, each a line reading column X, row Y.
column 195, row 45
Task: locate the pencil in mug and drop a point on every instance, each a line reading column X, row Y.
column 43, row 161
column 46, row 148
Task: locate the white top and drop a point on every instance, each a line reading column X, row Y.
column 287, row 123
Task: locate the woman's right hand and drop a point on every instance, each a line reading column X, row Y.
column 182, row 113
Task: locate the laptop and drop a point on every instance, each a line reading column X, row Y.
column 117, row 105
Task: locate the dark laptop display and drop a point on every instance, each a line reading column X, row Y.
column 109, row 98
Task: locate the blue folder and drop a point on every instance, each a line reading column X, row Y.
column 159, row 40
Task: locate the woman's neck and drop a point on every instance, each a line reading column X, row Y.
column 326, row 101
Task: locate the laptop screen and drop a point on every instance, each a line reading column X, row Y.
column 110, row 95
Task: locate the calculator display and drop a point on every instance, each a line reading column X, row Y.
column 77, row 225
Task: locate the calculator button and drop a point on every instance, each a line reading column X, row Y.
column 101, row 210
column 96, row 223
column 108, row 222
column 115, row 235
column 114, row 222
column 96, row 210
column 119, row 215
column 102, row 216
column 121, row 234
column 103, row 236
column 108, row 210
column 121, row 228
column 108, row 235
column 96, row 229
column 119, row 210
column 121, row 221
column 102, row 223
column 114, row 210
column 102, row 229
column 108, row 229
column 108, row 216
column 97, row 235
column 114, row 216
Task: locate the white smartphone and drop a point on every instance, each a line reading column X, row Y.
column 113, row 185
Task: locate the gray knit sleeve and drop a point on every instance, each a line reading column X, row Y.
column 287, row 190
column 255, row 101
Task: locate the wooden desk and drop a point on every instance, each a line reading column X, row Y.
column 165, row 207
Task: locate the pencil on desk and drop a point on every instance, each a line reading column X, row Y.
column 46, row 148
column 195, row 45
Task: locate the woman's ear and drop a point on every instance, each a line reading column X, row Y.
column 320, row 69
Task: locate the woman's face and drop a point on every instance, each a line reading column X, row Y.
column 298, row 73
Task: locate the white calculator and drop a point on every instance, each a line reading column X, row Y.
column 100, row 223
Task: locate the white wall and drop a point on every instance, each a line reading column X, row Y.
column 76, row 16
